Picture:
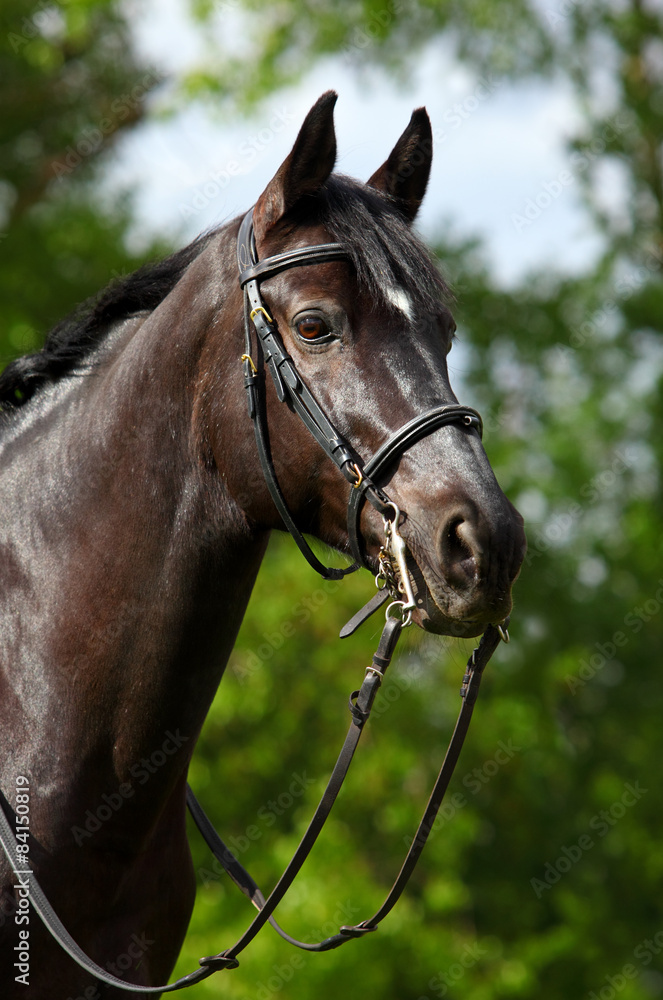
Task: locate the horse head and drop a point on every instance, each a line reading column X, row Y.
column 369, row 334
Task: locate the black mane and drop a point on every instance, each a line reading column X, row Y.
column 384, row 250
column 73, row 340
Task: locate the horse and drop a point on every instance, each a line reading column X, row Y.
column 135, row 512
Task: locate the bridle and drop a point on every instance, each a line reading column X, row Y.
column 393, row 581
column 291, row 387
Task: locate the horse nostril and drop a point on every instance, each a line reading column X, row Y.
column 459, row 552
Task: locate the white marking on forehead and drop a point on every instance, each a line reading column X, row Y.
column 400, row 299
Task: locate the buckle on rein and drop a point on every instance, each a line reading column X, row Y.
column 393, row 572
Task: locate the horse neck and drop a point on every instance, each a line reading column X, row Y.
column 131, row 563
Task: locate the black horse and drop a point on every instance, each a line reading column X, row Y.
column 134, row 515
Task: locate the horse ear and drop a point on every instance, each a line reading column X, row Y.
column 304, row 171
column 404, row 175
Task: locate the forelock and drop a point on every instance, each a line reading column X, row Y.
column 391, row 262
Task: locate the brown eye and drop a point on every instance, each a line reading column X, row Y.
column 312, row 328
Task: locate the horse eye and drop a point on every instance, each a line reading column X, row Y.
column 312, row 328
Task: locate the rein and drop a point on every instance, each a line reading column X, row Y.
column 394, row 575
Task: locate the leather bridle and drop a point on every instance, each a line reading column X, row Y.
column 291, row 387
column 393, row 571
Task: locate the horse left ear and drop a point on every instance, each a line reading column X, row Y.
column 304, row 171
column 404, row 175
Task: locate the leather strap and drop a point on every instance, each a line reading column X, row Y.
column 319, row 254
column 361, row 702
column 287, row 381
column 55, row 926
column 241, row 877
column 399, row 442
column 264, row 453
column 376, row 601
column 469, row 692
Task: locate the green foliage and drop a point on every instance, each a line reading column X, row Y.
column 542, row 877
column 282, row 42
column 608, row 53
column 69, row 85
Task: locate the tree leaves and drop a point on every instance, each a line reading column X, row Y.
column 541, row 878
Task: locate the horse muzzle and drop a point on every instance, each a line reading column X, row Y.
column 462, row 582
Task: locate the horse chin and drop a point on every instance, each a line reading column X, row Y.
column 431, row 618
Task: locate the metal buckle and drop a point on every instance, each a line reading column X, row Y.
column 260, row 309
column 405, row 611
column 359, row 474
column 504, row 633
column 395, row 559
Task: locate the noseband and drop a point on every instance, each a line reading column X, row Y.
column 291, row 387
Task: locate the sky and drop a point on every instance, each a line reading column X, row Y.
column 501, row 170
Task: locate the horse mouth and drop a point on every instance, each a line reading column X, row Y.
column 449, row 620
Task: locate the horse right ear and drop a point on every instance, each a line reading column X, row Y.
column 304, row 171
column 404, row 175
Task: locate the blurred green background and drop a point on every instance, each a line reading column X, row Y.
column 543, row 878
